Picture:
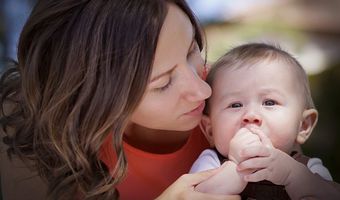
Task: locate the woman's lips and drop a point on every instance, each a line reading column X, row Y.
column 197, row 111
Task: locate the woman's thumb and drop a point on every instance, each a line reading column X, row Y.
column 197, row 178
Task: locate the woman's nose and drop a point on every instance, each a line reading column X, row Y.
column 195, row 89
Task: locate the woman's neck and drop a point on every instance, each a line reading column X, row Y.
column 155, row 141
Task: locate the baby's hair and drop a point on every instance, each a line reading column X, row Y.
column 250, row 54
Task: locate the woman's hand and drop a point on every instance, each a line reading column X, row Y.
column 184, row 188
column 226, row 182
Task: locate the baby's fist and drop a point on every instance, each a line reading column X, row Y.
column 242, row 139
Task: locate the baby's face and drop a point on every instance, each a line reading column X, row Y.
column 267, row 95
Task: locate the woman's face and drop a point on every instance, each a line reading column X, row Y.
column 174, row 98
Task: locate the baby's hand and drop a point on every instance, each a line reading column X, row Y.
column 271, row 164
column 242, row 139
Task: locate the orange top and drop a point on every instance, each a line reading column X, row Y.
column 150, row 174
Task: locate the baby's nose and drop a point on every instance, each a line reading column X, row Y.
column 252, row 118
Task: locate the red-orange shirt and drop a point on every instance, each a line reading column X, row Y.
column 150, row 174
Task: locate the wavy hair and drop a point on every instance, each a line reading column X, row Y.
column 83, row 66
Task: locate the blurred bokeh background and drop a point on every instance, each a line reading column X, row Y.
column 308, row 29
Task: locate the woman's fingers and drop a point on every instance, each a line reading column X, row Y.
column 184, row 188
column 206, row 196
column 196, row 178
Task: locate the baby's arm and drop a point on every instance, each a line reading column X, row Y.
column 281, row 169
column 305, row 184
column 207, row 160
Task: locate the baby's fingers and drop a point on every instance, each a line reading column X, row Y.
column 264, row 138
column 240, row 135
column 255, row 151
column 246, row 171
column 254, row 164
column 257, row 176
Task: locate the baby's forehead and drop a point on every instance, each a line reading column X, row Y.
column 242, row 75
column 294, row 71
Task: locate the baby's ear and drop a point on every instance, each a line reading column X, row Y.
column 309, row 119
column 205, row 126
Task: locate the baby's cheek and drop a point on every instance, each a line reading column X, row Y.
column 223, row 148
column 283, row 143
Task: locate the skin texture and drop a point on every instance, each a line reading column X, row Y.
column 257, row 118
column 270, row 101
column 175, row 87
column 173, row 101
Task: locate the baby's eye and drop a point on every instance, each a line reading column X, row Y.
column 269, row 102
column 235, row 105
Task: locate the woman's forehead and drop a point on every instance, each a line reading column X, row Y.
column 174, row 40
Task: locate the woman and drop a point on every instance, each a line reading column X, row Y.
column 97, row 80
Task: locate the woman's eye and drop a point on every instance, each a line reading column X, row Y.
column 235, row 105
column 269, row 102
column 165, row 87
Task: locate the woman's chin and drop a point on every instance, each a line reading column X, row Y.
column 188, row 125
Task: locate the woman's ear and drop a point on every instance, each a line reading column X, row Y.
column 309, row 119
column 205, row 126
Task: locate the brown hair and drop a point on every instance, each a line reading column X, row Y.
column 250, row 54
column 82, row 69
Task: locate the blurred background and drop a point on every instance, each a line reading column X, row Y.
column 308, row 29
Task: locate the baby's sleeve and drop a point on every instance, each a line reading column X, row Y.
column 315, row 166
column 208, row 159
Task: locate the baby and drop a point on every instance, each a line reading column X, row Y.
column 259, row 114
